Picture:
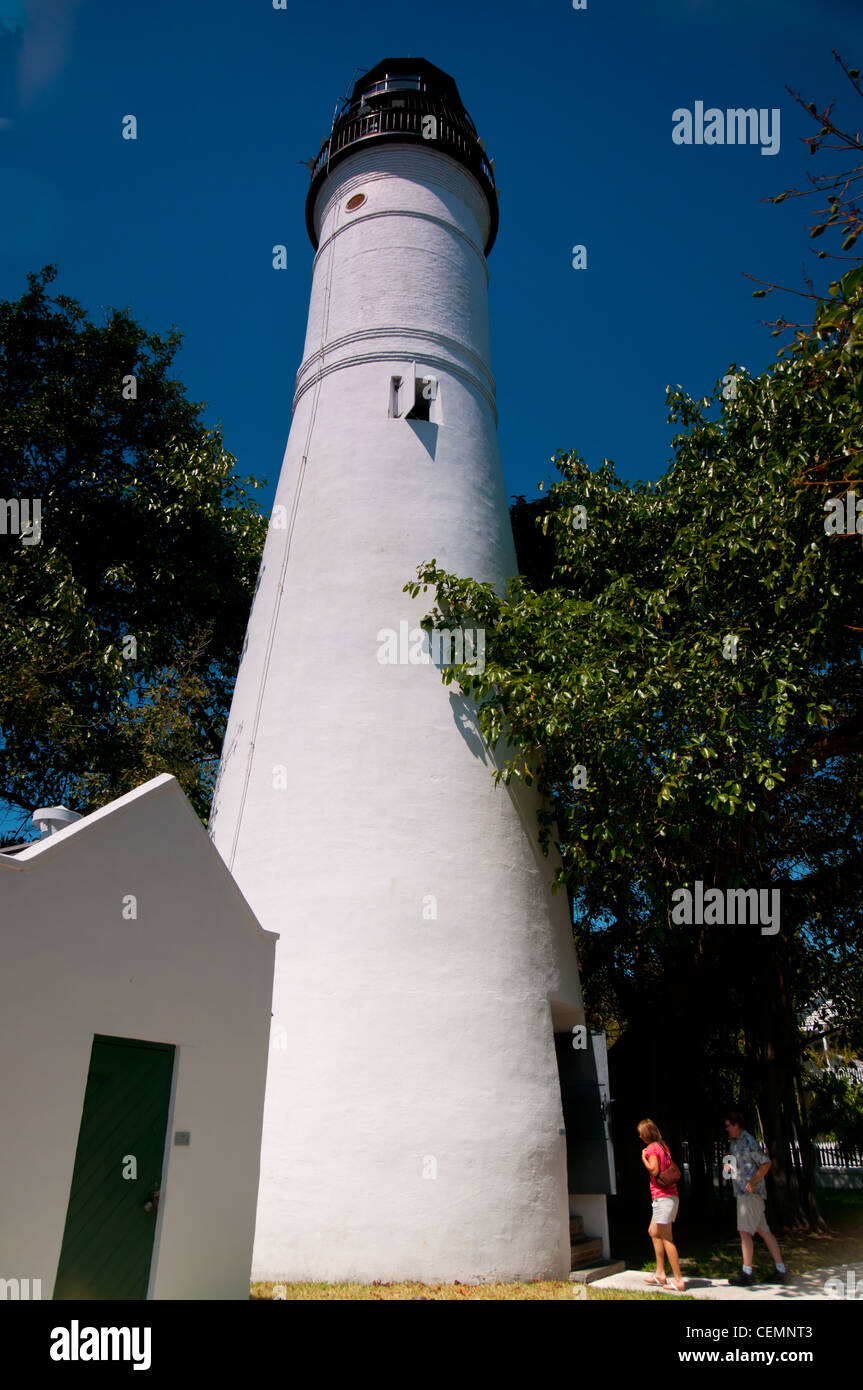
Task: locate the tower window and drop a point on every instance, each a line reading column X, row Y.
column 414, row 397
column 425, row 391
column 354, row 202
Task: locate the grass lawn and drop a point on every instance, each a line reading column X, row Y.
column 701, row 1254
column 551, row 1289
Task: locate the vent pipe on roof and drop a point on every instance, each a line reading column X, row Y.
column 50, row 819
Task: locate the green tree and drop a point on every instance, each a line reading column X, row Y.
column 698, row 652
column 123, row 622
column 836, row 1109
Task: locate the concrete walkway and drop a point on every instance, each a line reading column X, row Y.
column 800, row 1287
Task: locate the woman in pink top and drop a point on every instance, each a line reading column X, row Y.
column 656, row 1159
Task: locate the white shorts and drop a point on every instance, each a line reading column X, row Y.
column 665, row 1210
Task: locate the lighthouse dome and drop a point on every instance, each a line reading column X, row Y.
column 405, row 101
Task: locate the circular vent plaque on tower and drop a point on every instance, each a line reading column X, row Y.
column 355, row 202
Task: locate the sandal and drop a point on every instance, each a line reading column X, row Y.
column 652, row 1279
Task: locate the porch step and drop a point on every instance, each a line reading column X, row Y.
column 587, row 1250
column 587, row 1273
column 576, row 1228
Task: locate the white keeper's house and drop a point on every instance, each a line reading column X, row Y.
column 134, row 1026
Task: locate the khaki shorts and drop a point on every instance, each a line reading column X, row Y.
column 750, row 1213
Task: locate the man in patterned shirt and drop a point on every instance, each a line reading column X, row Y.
column 749, row 1163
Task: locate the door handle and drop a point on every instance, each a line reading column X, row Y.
column 152, row 1201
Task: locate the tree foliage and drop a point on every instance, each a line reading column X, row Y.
column 146, row 534
column 697, row 651
column 836, row 188
column 836, row 1110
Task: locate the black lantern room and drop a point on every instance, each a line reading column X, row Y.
column 393, row 102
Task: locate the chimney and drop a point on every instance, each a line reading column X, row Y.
column 50, row 819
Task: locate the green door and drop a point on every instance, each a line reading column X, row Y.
column 108, row 1238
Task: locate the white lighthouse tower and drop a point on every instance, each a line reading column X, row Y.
column 413, row 1123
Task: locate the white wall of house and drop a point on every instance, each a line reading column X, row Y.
column 193, row 969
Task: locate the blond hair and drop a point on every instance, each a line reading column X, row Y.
column 648, row 1130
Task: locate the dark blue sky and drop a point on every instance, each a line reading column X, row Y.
column 574, row 106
